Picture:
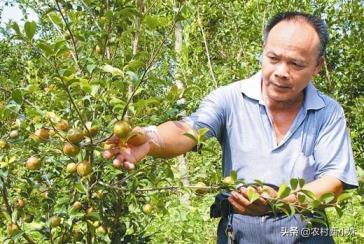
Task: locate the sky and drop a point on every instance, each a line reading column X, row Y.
column 14, row 13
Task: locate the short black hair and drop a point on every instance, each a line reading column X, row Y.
column 317, row 23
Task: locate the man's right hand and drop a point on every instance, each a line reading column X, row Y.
column 128, row 154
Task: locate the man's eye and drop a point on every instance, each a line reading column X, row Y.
column 297, row 65
column 273, row 58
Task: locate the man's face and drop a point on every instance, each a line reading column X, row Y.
column 290, row 59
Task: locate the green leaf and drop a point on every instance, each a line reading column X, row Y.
column 30, row 28
column 55, row 19
column 252, row 194
column 316, row 203
column 17, row 96
column 16, row 28
column 294, row 183
column 191, row 134
column 46, row 48
column 308, row 193
column 301, row 182
column 110, row 69
column 301, row 198
column 234, row 175
column 320, row 221
column 80, row 187
column 343, row 197
column 283, row 191
column 327, row 197
column 339, row 211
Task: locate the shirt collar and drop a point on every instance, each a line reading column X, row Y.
column 251, row 87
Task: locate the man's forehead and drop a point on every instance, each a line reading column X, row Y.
column 293, row 35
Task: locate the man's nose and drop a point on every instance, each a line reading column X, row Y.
column 281, row 71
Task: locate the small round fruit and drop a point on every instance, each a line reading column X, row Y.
column 75, row 135
column 3, row 143
column 55, row 221
column 122, row 129
column 71, row 168
column 42, row 134
column 20, row 203
column 62, row 125
column 98, row 49
column 77, row 205
column 147, row 208
column 228, row 180
column 11, row 229
column 84, row 168
column 89, row 210
column 70, row 149
column 201, row 188
column 101, row 230
column 52, row 132
column 93, row 130
column 33, row 163
column 14, row 134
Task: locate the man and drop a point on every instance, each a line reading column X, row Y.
column 273, row 126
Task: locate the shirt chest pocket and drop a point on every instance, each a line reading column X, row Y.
column 304, row 167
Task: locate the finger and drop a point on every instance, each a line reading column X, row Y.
column 239, row 198
column 107, row 154
column 138, row 136
column 113, row 140
column 237, row 207
column 128, row 165
column 117, row 163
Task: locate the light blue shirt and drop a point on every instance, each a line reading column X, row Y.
column 317, row 144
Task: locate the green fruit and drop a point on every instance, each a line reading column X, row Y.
column 77, row 235
column 55, row 221
column 20, row 203
column 70, row 150
column 122, row 129
column 71, row 168
column 3, row 143
column 33, row 163
column 228, row 180
column 42, row 134
column 11, row 229
column 147, row 208
column 75, row 136
column 14, row 134
column 200, row 188
column 84, row 168
column 62, row 125
column 77, row 205
column 101, row 230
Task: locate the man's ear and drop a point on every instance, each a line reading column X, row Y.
column 319, row 65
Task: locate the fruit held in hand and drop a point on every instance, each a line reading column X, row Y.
column 55, row 221
column 14, row 134
column 71, row 168
column 75, row 135
column 228, row 180
column 122, row 129
column 84, row 168
column 70, row 150
column 147, row 208
column 33, row 163
column 42, row 134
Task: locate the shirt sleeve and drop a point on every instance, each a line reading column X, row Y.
column 210, row 114
column 333, row 151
